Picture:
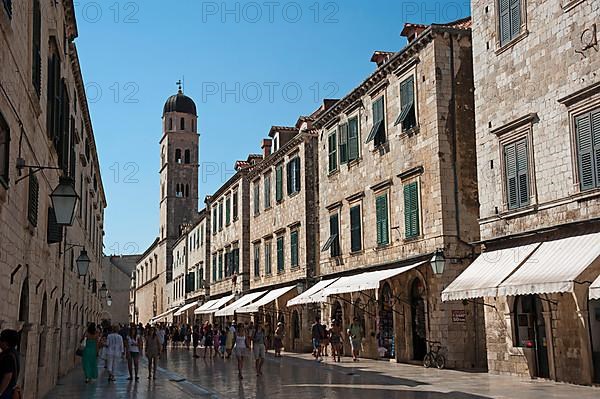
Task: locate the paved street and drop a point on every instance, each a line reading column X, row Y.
column 297, row 376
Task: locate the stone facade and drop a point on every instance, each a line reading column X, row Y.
column 150, row 293
column 43, row 297
column 531, row 92
column 436, row 154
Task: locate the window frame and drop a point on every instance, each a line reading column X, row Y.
column 256, row 197
column 235, row 205
column 501, row 44
column 407, row 186
column 280, row 251
column 353, row 228
column 379, row 125
column 332, row 155
column 595, row 160
column 380, row 243
column 267, row 190
column 256, row 251
column 268, row 257
column 351, row 118
column 279, row 182
column 404, row 112
column 227, row 210
column 294, row 249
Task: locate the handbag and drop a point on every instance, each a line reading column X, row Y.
column 79, row 350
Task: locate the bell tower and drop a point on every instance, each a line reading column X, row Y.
column 179, row 154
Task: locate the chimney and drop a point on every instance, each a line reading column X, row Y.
column 381, row 57
column 266, row 147
column 412, row 31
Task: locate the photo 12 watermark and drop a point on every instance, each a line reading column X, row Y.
column 271, row 12
column 270, row 92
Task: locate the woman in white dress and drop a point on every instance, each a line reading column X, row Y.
column 241, row 348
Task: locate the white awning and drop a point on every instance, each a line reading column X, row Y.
column 160, row 316
column 213, row 305
column 312, row 295
column 365, row 281
column 184, row 308
column 243, row 301
column 486, row 273
column 595, row 289
column 265, row 300
column 553, row 267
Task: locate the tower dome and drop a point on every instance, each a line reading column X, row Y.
column 180, row 103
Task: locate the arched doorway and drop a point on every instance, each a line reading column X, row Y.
column 386, row 322
column 295, row 325
column 419, row 330
column 530, row 331
column 24, row 332
column 337, row 313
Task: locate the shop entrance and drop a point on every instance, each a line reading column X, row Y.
column 386, row 323
column 594, row 312
column 531, row 331
column 417, row 305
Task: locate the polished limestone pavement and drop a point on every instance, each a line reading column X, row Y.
column 297, row 376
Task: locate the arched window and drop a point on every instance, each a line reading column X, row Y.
column 24, row 302
column 187, row 156
column 170, row 124
column 193, row 126
column 178, row 155
column 182, row 122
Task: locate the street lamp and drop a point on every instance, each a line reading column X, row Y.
column 64, row 198
column 103, row 290
column 109, row 300
column 83, row 263
column 438, row 262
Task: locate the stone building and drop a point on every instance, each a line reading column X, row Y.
column 46, row 138
column 116, row 274
column 179, row 157
column 537, row 107
column 398, row 187
column 284, row 227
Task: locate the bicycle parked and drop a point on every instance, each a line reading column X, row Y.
column 434, row 357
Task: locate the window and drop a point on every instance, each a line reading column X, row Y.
column 267, row 190
column 235, row 205
column 332, row 151
column 381, row 212
column 294, row 248
column 343, row 143
column 293, row 176
column 214, row 221
column 36, row 58
column 33, row 202
column 257, row 260
column 178, row 155
column 279, row 183
column 517, row 174
column 353, row 140
column 408, row 116
column 510, row 20
column 187, row 157
column 355, row 229
column 182, row 124
column 333, row 243
column 377, row 133
column 227, row 211
column 268, row 269
column 228, row 264
column 411, row 210
column 280, row 255
column 220, row 215
column 235, row 260
column 587, row 127
column 214, row 268
column 170, row 124
column 221, row 265
column 4, row 151
column 256, row 199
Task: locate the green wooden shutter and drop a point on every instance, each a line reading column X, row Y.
column 343, row 143
column 256, row 260
column 228, row 211
column 510, row 159
column 381, row 211
column 54, row 231
column 294, row 248
column 411, row 210
column 355, row 229
column 505, row 23
column 297, row 174
column 280, row 254
column 585, row 149
column 522, row 172
column 214, row 268
column 288, row 175
column 279, row 183
column 353, row 139
column 33, row 202
column 332, row 152
column 515, row 18
column 334, row 231
column 596, row 138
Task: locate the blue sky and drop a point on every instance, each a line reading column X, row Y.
column 248, row 65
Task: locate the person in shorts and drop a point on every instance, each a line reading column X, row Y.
column 316, row 332
column 258, row 341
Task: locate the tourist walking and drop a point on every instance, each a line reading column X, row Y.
column 241, row 348
column 133, row 344
column 258, row 342
column 153, row 350
column 196, row 339
column 278, row 340
column 114, row 350
column 161, row 334
column 208, row 341
column 325, row 340
column 355, row 333
column 229, row 341
column 9, row 364
column 335, row 339
column 317, row 334
column 89, row 357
